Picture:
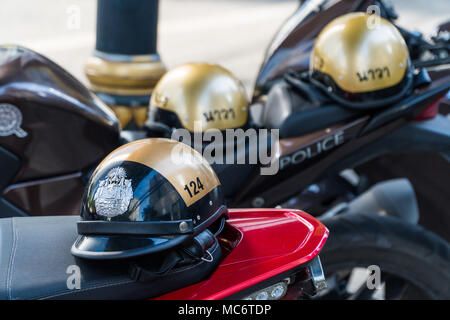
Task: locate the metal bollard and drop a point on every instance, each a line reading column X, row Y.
column 125, row 65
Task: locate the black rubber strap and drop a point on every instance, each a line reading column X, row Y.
column 303, row 88
column 200, row 245
column 222, row 225
column 147, row 228
column 367, row 104
column 141, row 274
column 185, row 255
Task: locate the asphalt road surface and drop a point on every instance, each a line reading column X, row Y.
column 233, row 33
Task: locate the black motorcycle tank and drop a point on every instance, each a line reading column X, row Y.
column 51, row 121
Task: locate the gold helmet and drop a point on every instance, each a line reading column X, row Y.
column 147, row 196
column 200, row 92
column 358, row 58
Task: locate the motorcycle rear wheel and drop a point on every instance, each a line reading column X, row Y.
column 414, row 262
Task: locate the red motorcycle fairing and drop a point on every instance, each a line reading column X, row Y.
column 257, row 249
column 259, row 244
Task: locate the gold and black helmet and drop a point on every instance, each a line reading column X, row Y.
column 360, row 62
column 202, row 92
column 147, row 196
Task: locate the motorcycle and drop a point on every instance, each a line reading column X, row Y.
column 48, row 165
column 65, row 178
column 260, row 255
column 62, row 131
column 291, row 46
column 290, row 50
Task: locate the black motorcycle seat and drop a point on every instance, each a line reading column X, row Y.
column 295, row 113
column 36, row 263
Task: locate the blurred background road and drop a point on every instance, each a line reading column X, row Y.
column 233, row 33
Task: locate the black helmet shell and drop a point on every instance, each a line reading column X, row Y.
column 147, row 196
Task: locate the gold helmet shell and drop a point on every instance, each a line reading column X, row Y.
column 201, row 92
column 359, row 55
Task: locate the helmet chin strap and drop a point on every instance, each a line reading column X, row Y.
column 199, row 249
column 222, row 225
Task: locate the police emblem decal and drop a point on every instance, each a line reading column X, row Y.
column 10, row 121
column 114, row 194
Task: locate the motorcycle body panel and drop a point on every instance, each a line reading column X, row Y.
column 306, row 158
column 51, row 196
column 267, row 243
column 63, row 128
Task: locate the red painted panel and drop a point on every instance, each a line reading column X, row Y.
column 272, row 241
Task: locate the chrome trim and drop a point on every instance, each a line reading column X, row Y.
column 317, row 275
